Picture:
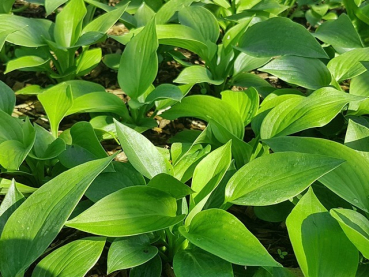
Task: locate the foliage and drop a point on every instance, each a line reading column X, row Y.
column 295, row 151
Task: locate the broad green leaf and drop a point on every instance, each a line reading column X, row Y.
column 245, row 63
column 100, row 101
column 152, row 268
column 202, row 20
column 233, row 35
column 143, row 15
column 196, row 74
column 280, row 36
column 141, row 153
column 200, row 263
column 349, row 181
column 12, row 200
column 16, row 141
column 223, row 235
column 169, row 8
column 52, row 5
column 24, row 63
column 7, row 98
column 5, row 185
column 359, row 85
column 305, row 72
column 129, row 211
column 357, row 137
column 104, row 22
column 139, row 62
column 130, row 252
column 165, row 91
column 170, row 185
column 347, row 65
column 6, row 6
column 320, row 246
column 88, row 60
column 68, row 23
column 248, row 80
column 46, row 147
column 339, row 33
column 209, row 109
column 301, row 113
column 209, row 172
column 31, row 32
column 274, row 213
column 73, row 259
column 56, row 103
column 108, row 182
column 286, row 174
column 246, row 103
column 356, row 228
column 36, row 223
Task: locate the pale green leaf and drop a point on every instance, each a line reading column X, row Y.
column 196, row 74
column 7, row 98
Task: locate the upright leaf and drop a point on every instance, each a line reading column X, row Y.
column 141, row 153
column 12, row 200
column 36, row 223
column 52, row 5
column 139, row 63
column 73, row 259
column 68, row 23
column 7, row 98
column 356, row 228
column 320, row 246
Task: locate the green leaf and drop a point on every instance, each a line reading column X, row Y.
column 139, row 62
column 209, row 172
column 196, row 74
column 223, row 235
column 12, row 200
column 301, row 113
column 349, row 181
column 143, row 15
column 165, row 91
column 56, row 103
column 68, row 23
column 246, row 103
column 305, row 72
column 356, row 228
column 6, row 6
column 200, row 263
column 46, row 147
column 16, row 140
column 141, row 153
column 339, row 33
column 233, row 35
column 245, row 63
column 169, row 8
column 286, row 174
column 348, row 65
column 129, row 211
column 209, row 109
column 87, row 61
column 52, row 5
column 280, row 36
column 104, row 22
column 24, row 62
column 36, row 223
column 31, row 32
column 320, row 246
column 202, row 20
column 357, row 137
column 130, row 252
column 5, row 185
column 7, row 98
column 108, row 182
column 170, row 185
column 73, row 259
column 151, row 268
